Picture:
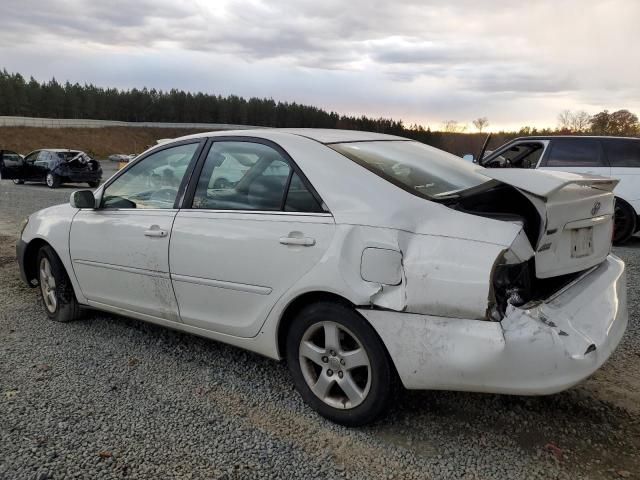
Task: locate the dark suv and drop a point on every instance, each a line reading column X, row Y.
column 52, row 166
column 617, row 157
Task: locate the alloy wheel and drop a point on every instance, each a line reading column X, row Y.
column 335, row 365
column 48, row 285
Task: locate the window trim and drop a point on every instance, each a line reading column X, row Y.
column 187, row 200
column 183, row 183
column 604, row 161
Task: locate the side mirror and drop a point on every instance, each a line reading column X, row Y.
column 468, row 157
column 82, row 199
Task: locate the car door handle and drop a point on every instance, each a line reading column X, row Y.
column 155, row 231
column 303, row 241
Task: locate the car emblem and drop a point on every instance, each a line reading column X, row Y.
column 596, row 208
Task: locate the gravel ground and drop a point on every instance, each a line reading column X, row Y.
column 110, row 397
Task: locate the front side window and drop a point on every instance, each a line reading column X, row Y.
column 583, row 152
column 623, row 153
column 153, row 182
column 413, row 166
column 250, row 176
column 520, row 155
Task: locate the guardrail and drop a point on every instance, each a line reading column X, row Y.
column 86, row 123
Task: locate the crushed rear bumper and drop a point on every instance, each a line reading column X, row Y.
column 541, row 349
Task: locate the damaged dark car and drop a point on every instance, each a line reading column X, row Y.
column 53, row 167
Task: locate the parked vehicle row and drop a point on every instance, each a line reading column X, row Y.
column 51, row 166
column 363, row 259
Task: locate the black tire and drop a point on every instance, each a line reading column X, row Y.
column 625, row 220
column 93, row 184
column 52, row 180
column 379, row 390
column 66, row 307
column 18, row 182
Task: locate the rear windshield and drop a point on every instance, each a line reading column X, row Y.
column 415, row 167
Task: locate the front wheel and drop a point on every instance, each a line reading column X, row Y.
column 53, row 180
column 624, row 222
column 58, row 297
column 339, row 364
column 93, row 184
column 18, row 182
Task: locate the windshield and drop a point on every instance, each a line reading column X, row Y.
column 415, row 167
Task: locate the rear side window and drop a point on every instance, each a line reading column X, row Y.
column 251, row 176
column 575, row 153
column 299, row 198
column 623, row 153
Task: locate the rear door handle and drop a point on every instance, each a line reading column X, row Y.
column 155, row 231
column 303, row 241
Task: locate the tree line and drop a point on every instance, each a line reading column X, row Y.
column 52, row 99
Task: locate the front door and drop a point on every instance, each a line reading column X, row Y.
column 120, row 250
column 11, row 165
column 245, row 241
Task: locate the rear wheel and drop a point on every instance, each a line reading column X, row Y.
column 58, row 297
column 339, row 364
column 53, row 180
column 17, row 181
column 624, row 222
column 93, row 184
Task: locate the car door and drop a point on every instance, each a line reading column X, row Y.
column 525, row 153
column 29, row 168
column 577, row 155
column 11, row 165
column 238, row 247
column 120, row 250
column 39, row 169
column 624, row 157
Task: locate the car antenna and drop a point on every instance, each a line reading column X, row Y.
column 484, row 149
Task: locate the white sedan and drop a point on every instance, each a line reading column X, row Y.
column 362, row 259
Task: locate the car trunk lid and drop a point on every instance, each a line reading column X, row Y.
column 577, row 217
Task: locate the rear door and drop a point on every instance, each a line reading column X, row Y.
column 624, row 158
column 576, row 155
column 29, row 167
column 242, row 243
column 11, row 165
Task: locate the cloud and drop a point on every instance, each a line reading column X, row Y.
column 419, row 60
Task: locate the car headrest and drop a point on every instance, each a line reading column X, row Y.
column 265, row 192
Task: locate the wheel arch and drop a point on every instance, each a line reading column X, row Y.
column 308, row 298
column 634, row 212
column 30, row 259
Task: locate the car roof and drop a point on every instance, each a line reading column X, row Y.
column 551, row 137
column 58, row 150
column 322, row 135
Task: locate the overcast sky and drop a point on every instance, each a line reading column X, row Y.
column 518, row 63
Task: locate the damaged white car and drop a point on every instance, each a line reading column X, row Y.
column 360, row 258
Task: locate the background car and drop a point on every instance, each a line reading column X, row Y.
column 617, row 157
column 54, row 167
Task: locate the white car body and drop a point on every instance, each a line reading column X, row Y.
column 418, row 271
